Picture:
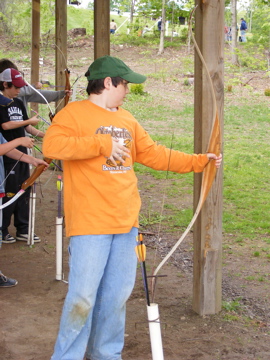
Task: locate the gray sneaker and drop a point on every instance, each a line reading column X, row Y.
column 24, row 237
column 7, row 282
column 8, row 239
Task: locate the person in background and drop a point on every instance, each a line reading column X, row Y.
column 229, row 35
column 226, row 32
column 243, row 29
column 145, row 30
column 14, row 122
column 113, row 27
column 99, row 142
column 9, row 149
column 159, row 24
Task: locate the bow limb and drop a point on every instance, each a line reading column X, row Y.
column 209, row 172
column 67, row 75
column 30, row 181
column 38, row 170
column 68, row 86
column 14, row 198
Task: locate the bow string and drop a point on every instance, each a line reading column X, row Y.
column 40, row 168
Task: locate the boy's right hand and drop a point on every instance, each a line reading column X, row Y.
column 27, row 142
column 119, row 152
column 33, row 120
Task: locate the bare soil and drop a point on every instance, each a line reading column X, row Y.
column 30, row 312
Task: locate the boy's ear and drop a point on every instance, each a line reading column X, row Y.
column 107, row 83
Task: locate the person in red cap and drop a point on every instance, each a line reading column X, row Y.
column 34, row 93
column 9, row 149
column 14, row 122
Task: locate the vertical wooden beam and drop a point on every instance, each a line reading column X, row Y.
column 35, row 49
column 101, row 28
column 209, row 33
column 61, row 45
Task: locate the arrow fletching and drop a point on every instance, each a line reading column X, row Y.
column 141, row 252
column 140, row 249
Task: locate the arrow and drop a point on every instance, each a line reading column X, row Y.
column 140, row 250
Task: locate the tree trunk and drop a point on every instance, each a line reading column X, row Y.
column 234, row 31
column 132, row 5
column 4, row 28
column 162, row 32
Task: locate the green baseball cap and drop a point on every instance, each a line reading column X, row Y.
column 109, row 66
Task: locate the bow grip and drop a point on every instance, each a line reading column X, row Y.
column 36, row 173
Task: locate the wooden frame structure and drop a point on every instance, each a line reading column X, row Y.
column 210, row 36
column 207, row 266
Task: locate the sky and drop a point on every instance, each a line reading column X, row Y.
column 240, row 3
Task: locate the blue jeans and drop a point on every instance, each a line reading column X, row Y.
column 101, row 279
column 243, row 35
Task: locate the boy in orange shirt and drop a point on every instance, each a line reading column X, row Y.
column 99, row 142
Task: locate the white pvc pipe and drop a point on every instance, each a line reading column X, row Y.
column 30, row 218
column 32, row 215
column 155, row 332
column 32, row 206
column 59, row 249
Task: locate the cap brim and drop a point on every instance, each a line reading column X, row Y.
column 134, row 78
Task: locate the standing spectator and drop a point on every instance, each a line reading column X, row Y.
column 113, row 27
column 226, row 32
column 159, row 24
column 229, row 35
column 243, row 28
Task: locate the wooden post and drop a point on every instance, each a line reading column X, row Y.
column 35, row 45
column 101, row 28
column 61, row 48
column 209, row 34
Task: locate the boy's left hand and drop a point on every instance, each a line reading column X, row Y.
column 215, row 157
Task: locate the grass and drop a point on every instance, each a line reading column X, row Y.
column 168, row 116
column 246, row 195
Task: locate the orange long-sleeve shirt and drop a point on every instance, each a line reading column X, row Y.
column 100, row 198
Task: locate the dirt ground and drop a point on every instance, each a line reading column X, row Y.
column 31, row 311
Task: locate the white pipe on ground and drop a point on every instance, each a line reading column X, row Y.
column 155, row 332
column 59, row 248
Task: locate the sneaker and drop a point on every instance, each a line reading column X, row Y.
column 7, row 282
column 24, row 237
column 8, row 239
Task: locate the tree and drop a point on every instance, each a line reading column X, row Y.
column 162, row 32
column 234, row 31
column 259, row 12
column 132, row 9
column 3, row 16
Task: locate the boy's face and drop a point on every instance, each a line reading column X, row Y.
column 11, row 92
column 118, row 94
